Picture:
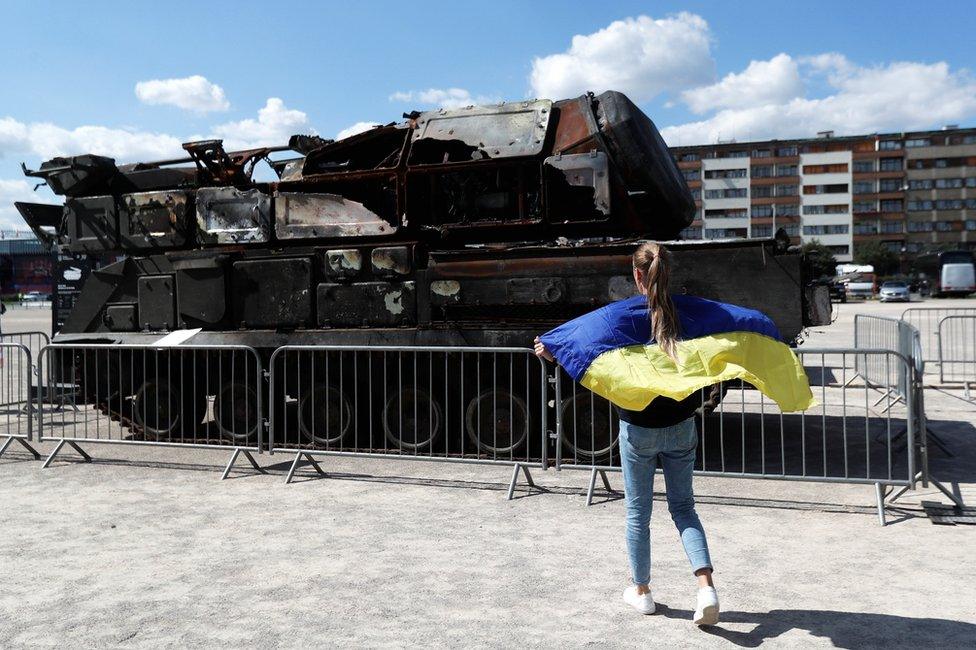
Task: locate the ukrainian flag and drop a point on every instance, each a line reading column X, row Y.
column 611, row 351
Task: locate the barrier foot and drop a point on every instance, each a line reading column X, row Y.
column 592, row 486
column 515, row 473
column 879, row 496
column 10, row 440
column 295, row 463
column 57, row 450
column 233, row 459
column 938, row 486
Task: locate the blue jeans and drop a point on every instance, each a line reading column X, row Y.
column 641, row 449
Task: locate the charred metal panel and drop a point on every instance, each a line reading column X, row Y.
column 501, row 131
column 578, row 187
column 343, row 263
column 154, row 220
column 367, row 304
column 227, row 215
column 157, row 302
column 201, row 294
column 391, row 261
column 303, row 215
column 121, row 318
column 272, row 293
column 91, row 225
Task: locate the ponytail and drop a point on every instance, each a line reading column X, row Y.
column 654, row 262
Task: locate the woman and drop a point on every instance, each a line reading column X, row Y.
column 664, row 433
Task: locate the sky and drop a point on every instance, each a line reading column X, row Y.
column 134, row 80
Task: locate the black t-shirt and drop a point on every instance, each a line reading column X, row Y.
column 666, row 412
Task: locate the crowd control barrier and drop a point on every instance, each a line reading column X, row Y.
column 455, row 404
column 185, row 396
column 16, row 416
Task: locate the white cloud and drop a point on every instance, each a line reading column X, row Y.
column 194, row 93
column 641, row 57
column 762, row 82
column 45, row 140
column 442, row 97
column 353, row 129
column 897, row 96
column 274, row 125
column 16, row 190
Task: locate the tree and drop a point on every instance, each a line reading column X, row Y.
column 818, row 260
column 883, row 259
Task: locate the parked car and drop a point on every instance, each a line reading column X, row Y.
column 33, row 296
column 894, row 290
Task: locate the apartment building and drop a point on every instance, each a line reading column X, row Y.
column 912, row 191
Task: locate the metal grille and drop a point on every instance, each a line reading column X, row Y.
column 957, row 349
column 484, row 405
column 926, row 320
column 16, row 417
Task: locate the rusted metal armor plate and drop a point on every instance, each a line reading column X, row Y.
column 303, row 215
column 154, row 220
column 227, row 215
column 500, row 131
column 587, row 174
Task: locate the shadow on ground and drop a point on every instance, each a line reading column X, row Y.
column 843, row 629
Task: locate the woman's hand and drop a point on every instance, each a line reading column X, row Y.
column 541, row 351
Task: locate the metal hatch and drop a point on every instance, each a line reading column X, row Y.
column 501, row 131
column 227, row 215
column 303, row 215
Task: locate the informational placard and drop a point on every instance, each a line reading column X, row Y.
column 70, row 274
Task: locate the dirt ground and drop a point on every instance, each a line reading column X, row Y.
column 146, row 547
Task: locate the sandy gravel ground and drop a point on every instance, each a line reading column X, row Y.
column 146, row 547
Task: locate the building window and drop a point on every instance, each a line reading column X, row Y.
column 917, row 142
column 948, row 183
column 865, row 206
column 834, row 188
column 888, row 145
column 692, row 232
column 866, row 228
column 762, row 171
column 786, row 151
column 726, row 173
column 892, row 227
column 762, row 191
column 729, row 193
column 892, row 205
column 919, row 226
column 691, row 174
column 971, row 181
column 949, row 204
column 890, row 164
column 738, row 154
column 970, row 204
column 944, row 226
column 792, row 229
column 761, row 153
column 890, row 185
column 764, row 230
column 786, row 190
column 690, row 157
column 789, row 210
column 919, row 206
column 863, row 187
column 725, row 233
column 839, row 208
column 970, row 224
column 696, row 194
column 786, row 170
column 839, row 250
column 738, row 213
column 863, row 166
column 921, row 184
column 762, row 211
column 832, row 229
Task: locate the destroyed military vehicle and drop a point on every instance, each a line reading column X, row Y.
column 477, row 226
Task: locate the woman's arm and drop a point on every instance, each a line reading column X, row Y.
column 541, row 351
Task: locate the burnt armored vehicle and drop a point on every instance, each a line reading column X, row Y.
column 479, row 226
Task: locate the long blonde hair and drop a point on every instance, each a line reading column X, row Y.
column 654, row 263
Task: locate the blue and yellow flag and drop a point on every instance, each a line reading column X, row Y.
column 611, row 351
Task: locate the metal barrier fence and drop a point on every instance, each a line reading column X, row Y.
column 884, row 333
column 16, row 417
column 186, row 396
column 844, row 439
column 458, row 404
column 957, row 350
column 926, row 320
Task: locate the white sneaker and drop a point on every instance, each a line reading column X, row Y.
column 707, row 611
column 643, row 603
